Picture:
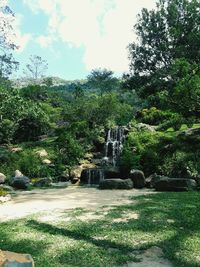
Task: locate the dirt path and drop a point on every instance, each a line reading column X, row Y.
column 27, row 203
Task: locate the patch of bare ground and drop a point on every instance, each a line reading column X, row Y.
column 152, row 257
column 59, row 200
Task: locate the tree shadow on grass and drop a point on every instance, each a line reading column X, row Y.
column 9, row 242
column 77, row 235
column 167, row 220
column 177, row 213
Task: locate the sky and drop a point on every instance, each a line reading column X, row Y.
column 76, row 36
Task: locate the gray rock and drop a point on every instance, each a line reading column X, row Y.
column 2, row 178
column 175, row 184
column 112, row 172
column 190, row 132
column 21, row 182
column 138, row 178
column 116, row 184
column 152, row 179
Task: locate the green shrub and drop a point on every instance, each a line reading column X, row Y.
column 181, row 164
column 3, row 192
column 140, row 151
column 7, row 130
column 175, row 121
column 154, row 116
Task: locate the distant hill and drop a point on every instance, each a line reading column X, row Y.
column 56, row 81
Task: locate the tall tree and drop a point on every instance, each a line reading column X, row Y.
column 166, row 35
column 102, row 80
column 7, row 62
column 36, row 67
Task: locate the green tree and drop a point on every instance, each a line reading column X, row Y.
column 7, row 62
column 166, row 34
column 36, row 67
column 102, row 80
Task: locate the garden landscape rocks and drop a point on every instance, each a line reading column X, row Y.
column 152, row 179
column 16, row 149
column 2, row 178
column 138, row 178
column 175, row 184
column 116, row 184
column 145, row 127
column 18, row 173
column 20, row 182
column 11, row 259
column 46, row 161
column 42, row 153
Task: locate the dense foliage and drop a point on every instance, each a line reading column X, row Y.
column 162, row 89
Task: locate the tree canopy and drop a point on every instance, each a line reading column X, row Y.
column 167, row 47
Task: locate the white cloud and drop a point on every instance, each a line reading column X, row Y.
column 103, row 27
column 44, row 41
column 20, row 39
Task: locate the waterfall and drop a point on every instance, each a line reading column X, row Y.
column 114, row 145
column 113, row 149
column 94, row 176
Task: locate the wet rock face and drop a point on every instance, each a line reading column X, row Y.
column 175, row 184
column 92, row 176
column 112, row 172
column 11, row 259
column 116, row 184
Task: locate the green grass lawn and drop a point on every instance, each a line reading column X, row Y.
column 170, row 221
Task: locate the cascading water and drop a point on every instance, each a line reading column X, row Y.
column 92, row 176
column 113, row 150
column 95, row 176
column 114, row 145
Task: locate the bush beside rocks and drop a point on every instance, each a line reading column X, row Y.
column 43, row 182
column 116, row 184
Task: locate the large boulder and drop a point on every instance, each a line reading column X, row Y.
column 116, row 184
column 21, row 182
column 11, row 259
column 138, row 178
column 175, row 184
column 112, row 172
column 152, row 179
column 2, row 178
